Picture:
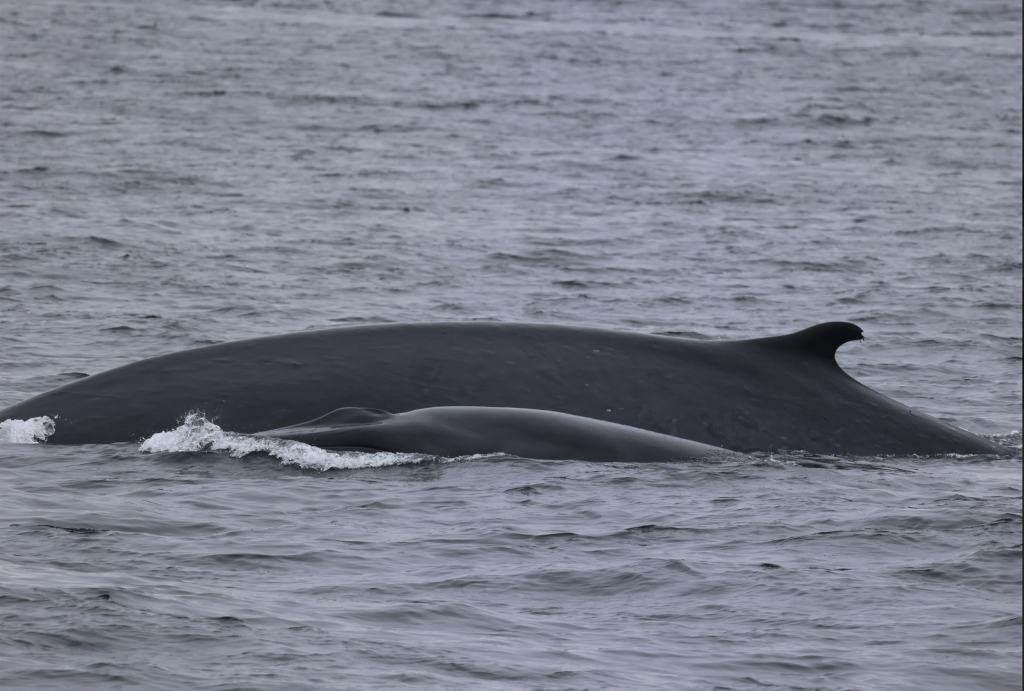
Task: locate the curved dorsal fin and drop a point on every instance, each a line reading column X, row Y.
column 347, row 416
column 820, row 341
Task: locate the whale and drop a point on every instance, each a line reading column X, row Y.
column 453, row 431
column 766, row 394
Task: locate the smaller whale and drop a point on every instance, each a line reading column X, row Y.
column 467, row 430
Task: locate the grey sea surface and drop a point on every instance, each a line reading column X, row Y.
column 180, row 173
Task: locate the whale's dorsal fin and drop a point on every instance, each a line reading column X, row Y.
column 820, row 341
column 351, row 416
column 348, row 416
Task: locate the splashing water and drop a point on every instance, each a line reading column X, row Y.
column 1011, row 440
column 32, row 431
column 196, row 433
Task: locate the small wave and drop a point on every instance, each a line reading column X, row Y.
column 32, row 431
column 196, row 434
column 1011, row 440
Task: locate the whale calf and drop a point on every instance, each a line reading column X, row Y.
column 766, row 394
column 467, row 430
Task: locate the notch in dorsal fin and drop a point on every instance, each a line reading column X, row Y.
column 820, row 341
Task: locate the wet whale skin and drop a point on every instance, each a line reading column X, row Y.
column 782, row 392
column 468, row 430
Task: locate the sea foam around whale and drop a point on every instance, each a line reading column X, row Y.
column 32, row 431
column 196, row 433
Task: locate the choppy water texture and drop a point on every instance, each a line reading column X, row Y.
column 179, row 173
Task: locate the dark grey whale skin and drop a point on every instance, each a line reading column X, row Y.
column 784, row 392
column 466, row 430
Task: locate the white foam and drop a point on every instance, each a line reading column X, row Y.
column 31, row 431
column 1011, row 440
column 197, row 434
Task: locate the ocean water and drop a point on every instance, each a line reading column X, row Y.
column 180, row 173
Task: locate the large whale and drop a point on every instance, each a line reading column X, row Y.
column 466, row 430
column 782, row 392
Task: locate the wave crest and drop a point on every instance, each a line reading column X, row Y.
column 1011, row 439
column 197, row 434
column 32, row 431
